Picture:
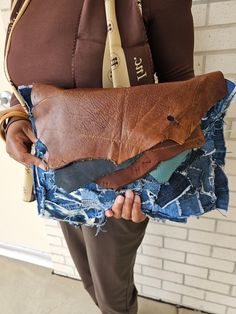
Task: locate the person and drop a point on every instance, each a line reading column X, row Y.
column 44, row 48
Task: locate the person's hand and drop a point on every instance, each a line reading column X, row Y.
column 127, row 207
column 19, row 139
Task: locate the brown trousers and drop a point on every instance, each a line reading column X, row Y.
column 105, row 262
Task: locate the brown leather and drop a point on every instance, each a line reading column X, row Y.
column 149, row 160
column 117, row 124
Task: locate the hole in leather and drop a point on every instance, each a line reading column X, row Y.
column 170, row 118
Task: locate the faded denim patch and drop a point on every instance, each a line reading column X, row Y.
column 198, row 185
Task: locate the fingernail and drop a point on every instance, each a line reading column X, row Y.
column 43, row 166
column 109, row 212
column 120, row 199
column 129, row 193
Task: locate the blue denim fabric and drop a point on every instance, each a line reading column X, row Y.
column 198, row 185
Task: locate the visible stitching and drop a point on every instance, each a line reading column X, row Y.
column 74, row 45
column 146, row 44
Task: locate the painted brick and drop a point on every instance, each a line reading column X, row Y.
column 153, row 240
column 163, row 274
column 147, row 260
column 59, row 250
column 222, row 62
column 163, row 253
column 221, row 299
column 226, row 227
column 54, row 240
column 229, row 215
column 231, row 111
column 234, row 291
column 232, row 197
column 230, row 166
column 64, row 242
column 76, row 275
column 139, row 288
column 160, row 294
column 199, row 14
column 149, row 281
column 198, row 64
column 231, row 311
column 210, row 262
column 226, row 254
column 166, row 230
column 233, row 127
column 187, row 246
column 186, row 269
column 52, row 230
column 222, row 277
column 212, row 238
column 182, row 289
column 58, row 258
column 69, row 261
column 203, row 305
column 137, row 268
column 200, row 223
column 5, row 4
column 206, row 284
column 231, row 148
column 222, row 12
column 215, row 39
column 63, row 269
column 52, row 223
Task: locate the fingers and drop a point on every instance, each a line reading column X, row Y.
column 128, row 203
column 137, row 215
column 18, row 144
column 117, row 206
column 21, row 155
column 128, row 207
column 29, row 160
column 30, row 134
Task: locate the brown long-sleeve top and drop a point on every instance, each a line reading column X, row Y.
column 47, row 42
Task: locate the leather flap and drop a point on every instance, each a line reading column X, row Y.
column 119, row 123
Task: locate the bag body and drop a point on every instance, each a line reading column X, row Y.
column 197, row 185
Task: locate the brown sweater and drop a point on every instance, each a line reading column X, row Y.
column 47, row 42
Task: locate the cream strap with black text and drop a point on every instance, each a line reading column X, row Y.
column 115, row 69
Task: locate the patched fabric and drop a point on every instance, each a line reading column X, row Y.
column 197, row 186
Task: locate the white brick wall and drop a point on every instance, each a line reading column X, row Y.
column 191, row 264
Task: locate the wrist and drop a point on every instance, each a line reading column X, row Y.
column 12, row 120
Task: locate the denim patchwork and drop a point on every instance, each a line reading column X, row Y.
column 198, row 184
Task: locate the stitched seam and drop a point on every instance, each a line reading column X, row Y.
column 74, row 46
column 146, row 44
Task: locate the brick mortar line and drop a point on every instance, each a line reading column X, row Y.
column 201, row 289
column 214, row 52
column 176, row 250
column 231, row 272
column 181, row 293
column 195, row 2
column 188, row 286
column 207, row 14
column 151, row 246
column 215, row 26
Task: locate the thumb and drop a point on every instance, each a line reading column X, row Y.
column 30, row 134
column 30, row 159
